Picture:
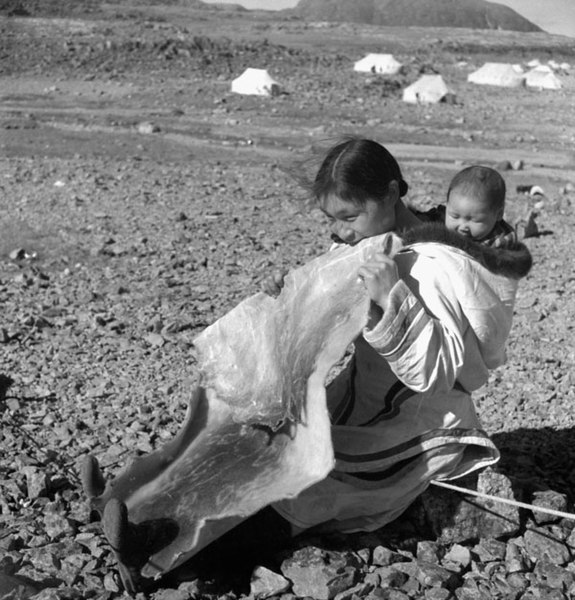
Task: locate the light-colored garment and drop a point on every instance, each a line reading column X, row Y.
column 402, row 412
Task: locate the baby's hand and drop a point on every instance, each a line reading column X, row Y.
column 379, row 275
column 273, row 284
column 504, row 240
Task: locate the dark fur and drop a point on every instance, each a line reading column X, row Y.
column 512, row 260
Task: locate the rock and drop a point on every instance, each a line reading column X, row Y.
column 433, row 575
column 490, row 550
column 147, row 128
column 390, row 577
column 36, row 482
column 383, row 556
column 171, row 594
column 548, row 499
column 527, row 227
column 517, row 581
column 17, row 254
column 517, row 165
column 515, row 560
column 319, row 573
column 504, row 165
column 17, row 587
column 265, row 583
column 437, row 594
column 554, row 576
column 155, row 339
column 45, row 559
column 429, row 551
column 538, row 543
column 456, row 519
column 57, row 525
column 360, row 590
column 459, row 555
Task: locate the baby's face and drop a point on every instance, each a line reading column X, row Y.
column 470, row 216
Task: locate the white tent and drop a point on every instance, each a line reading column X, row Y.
column 428, row 89
column 500, row 74
column 255, row 82
column 384, row 64
column 542, row 79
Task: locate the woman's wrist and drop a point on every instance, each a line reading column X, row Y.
column 375, row 314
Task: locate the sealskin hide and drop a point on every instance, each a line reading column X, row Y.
column 257, row 429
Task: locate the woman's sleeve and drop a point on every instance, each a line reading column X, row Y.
column 424, row 350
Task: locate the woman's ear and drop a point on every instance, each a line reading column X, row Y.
column 393, row 191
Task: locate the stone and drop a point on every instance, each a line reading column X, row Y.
column 515, row 559
column 16, row 587
column 459, row 555
column 36, row 482
column 146, row 128
column 518, row 581
column 504, row 165
column 538, row 544
column 360, row 590
column 383, row 556
column 318, row 573
column 433, row 575
column 517, row 165
column 17, row 254
column 553, row 575
column 457, row 519
column 437, row 594
column 265, row 583
column 390, row 577
column 551, row 500
column 171, row 594
column 428, row 551
column 489, row 550
column 469, row 591
column 57, row 525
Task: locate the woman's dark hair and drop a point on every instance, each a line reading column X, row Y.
column 357, row 170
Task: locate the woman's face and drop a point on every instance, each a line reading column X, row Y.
column 351, row 223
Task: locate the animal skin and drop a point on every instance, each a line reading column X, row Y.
column 257, row 429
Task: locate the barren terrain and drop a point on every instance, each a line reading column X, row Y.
column 141, row 200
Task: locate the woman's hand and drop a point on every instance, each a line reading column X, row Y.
column 379, row 275
column 273, row 284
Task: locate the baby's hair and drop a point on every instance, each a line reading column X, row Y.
column 357, row 170
column 481, row 182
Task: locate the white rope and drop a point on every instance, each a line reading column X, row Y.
column 550, row 511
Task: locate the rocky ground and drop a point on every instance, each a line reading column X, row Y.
column 141, row 200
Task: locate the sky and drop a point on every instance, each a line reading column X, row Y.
column 554, row 16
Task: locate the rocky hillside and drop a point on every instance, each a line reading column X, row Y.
column 64, row 8
column 474, row 14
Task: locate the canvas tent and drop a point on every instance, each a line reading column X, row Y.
column 542, row 79
column 384, row 64
column 256, row 82
column 499, row 74
column 428, row 89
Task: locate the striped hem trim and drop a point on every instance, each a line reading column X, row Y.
column 392, row 402
column 389, row 456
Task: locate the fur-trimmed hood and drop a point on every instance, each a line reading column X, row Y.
column 511, row 260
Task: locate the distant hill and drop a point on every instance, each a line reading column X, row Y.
column 474, row 14
column 64, row 8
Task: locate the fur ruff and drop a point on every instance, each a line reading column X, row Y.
column 512, row 260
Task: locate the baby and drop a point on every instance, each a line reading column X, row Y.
column 474, row 207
